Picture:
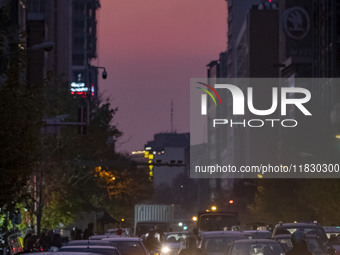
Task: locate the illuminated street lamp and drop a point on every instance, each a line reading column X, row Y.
column 213, row 208
column 194, row 218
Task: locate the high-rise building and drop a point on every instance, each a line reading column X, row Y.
column 295, row 38
column 72, row 26
column 257, row 43
column 84, row 47
column 326, row 61
column 236, row 14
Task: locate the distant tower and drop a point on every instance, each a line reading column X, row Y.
column 172, row 116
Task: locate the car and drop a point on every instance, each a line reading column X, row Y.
column 173, row 242
column 101, row 237
column 308, row 228
column 216, row 242
column 88, row 242
column 128, row 245
column 59, row 253
column 257, row 234
column 103, row 250
column 333, row 234
column 254, row 247
column 332, row 231
column 313, row 244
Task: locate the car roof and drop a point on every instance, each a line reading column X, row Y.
column 108, row 250
column 107, row 235
column 297, row 224
column 284, row 236
column 89, row 247
column 256, row 231
column 255, row 241
column 222, row 233
column 122, row 239
column 331, row 228
column 88, row 242
column 176, row 232
column 61, row 253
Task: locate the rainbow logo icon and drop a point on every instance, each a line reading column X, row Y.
column 209, row 93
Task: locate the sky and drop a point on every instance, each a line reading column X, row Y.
column 150, row 50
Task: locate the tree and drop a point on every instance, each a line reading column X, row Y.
column 83, row 172
column 20, row 111
column 297, row 199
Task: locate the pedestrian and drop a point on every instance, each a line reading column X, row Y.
column 89, row 231
column 44, row 244
column 298, row 239
column 159, row 233
column 119, row 231
column 56, row 241
column 28, row 242
column 152, row 243
column 191, row 247
column 195, row 233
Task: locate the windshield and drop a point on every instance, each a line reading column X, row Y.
column 258, row 248
column 311, row 231
column 217, row 244
column 312, row 244
column 175, row 238
column 129, row 247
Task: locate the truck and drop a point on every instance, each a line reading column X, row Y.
column 149, row 215
column 214, row 221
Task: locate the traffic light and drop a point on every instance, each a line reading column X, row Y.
column 151, row 172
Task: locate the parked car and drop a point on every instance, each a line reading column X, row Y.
column 103, row 250
column 173, row 242
column 216, row 242
column 254, row 247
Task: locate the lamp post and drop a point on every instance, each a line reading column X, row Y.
column 104, row 73
column 45, row 46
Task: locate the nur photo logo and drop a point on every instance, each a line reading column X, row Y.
column 281, row 99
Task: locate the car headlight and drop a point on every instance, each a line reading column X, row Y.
column 165, row 249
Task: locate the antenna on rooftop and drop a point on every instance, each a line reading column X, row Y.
column 172, row 117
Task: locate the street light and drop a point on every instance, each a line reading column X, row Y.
column 46, row 46
column 104, row 73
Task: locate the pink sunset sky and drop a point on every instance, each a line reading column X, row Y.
column 151, row 49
